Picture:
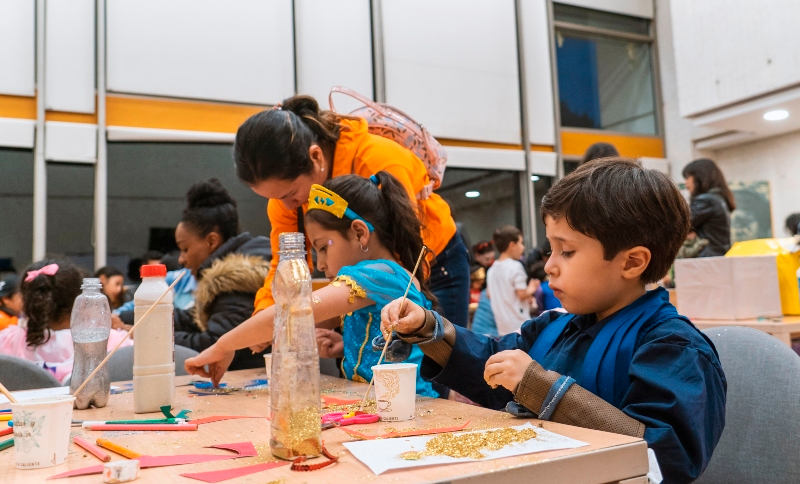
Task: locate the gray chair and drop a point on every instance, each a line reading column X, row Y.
column 760, row 442
column 19, row 374
column 120, row 366
column 327, row 366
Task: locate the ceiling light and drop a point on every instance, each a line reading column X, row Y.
column 534, row 178
column 472, row 194
column 776, row 115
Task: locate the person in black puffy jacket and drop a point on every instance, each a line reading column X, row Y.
column 711, row 204
column 229, row 267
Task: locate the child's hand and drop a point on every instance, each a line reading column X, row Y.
column 409, row 322
column 330, row 343
column 217, row 360
column 506, row 368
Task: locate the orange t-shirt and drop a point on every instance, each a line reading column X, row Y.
column 7, row 320
column 361, row 153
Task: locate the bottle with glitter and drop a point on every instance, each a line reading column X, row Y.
column 294, row 386
column 90, row 326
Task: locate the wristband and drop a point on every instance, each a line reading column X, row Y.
column 556, row 393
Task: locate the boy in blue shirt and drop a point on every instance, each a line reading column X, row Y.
column 622, row 360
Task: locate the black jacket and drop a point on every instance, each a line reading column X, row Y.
column 226, row 287
column 712, row 221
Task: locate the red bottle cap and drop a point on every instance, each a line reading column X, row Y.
column 153, row 270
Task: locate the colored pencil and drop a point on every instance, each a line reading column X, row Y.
column 92, row 449
column 9, row 430
column 118, row 449
column 168, row 421
column 8, row 443
column 5, row 417
column 143, row 427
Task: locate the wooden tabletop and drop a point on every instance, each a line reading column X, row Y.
column 782, row 327
column 608, row 458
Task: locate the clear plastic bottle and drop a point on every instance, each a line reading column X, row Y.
column 294, row 386
column 90, row 326
column 154, row 348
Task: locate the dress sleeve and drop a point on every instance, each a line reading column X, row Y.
column 379, row 282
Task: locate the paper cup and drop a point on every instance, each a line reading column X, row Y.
column 396, row 391
column 268, row 364
column 41, row 431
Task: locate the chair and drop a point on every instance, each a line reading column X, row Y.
column 760, row 442
column 328, row 366
column 120, row 366
column 19, row 374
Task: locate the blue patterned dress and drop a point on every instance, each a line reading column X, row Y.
column 382, row 281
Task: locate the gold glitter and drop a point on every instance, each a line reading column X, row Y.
column 355, row 289
column 411, row 455
column 316, row 299
column 369, row 407
column 276, row 481
column 470, row 445
column 298, row 435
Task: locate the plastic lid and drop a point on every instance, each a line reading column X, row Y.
column 153, row 270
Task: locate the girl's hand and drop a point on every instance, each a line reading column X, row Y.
column 506, row 368
column 408, row 322
column 330, row 343
column 217, row 360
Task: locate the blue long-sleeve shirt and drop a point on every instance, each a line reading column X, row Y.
column 677, row 386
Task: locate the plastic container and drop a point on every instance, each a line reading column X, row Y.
column 41, row 431
column 294, row 380
column 154, row 351
column 90, row 326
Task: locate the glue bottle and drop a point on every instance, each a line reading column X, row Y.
column 90, row 326
column 154, row 343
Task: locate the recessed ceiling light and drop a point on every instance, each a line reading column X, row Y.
column 534, row 178
column 776, row 115
column 472, row 194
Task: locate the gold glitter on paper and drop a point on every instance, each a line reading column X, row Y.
column 369, row 407
column 411, row 455
column 470, row 445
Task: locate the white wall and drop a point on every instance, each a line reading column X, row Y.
column 776, row 160
column 17, row 47
column 730, row 50
column 70, row 59
column 538, row 72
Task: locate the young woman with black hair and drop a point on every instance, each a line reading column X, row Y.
column 711, row 204
column 229, row 266
column 113, row 286
column 280, row 153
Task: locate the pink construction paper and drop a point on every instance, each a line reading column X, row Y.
column 242, row 449
column 225, row 474
column 219, row 418
column 338, row 401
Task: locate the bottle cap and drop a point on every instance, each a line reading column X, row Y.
column 153, row 270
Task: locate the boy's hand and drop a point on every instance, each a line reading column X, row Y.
column 330, row 343
column 506, row 368
column 217, row 360
column 408, row 322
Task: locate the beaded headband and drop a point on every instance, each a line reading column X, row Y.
column 321, row 198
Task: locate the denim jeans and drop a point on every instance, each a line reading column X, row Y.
column 449, row 281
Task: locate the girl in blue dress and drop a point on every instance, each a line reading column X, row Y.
column 367, row 237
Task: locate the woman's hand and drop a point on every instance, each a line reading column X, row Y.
column 506, row 368
column 217, row 360
column 403, row 316
column 330, row 343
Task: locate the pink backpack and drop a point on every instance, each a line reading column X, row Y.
column 389, row 122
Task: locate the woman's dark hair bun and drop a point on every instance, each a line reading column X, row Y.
column 210, row 193
column 301, row 105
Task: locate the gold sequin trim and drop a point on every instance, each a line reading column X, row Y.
column 361, row 351
column 355, row 289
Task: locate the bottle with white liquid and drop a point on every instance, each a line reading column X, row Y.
column 154, row 347
column 90, row 326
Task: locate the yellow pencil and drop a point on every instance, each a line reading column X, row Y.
column 5, row 417
column 118, row 449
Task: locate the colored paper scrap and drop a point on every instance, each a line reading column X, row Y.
column 167, row 411
column 225, row 474
column 409, row 433
column 338, row 401
column 242, row 449
column 219, row 418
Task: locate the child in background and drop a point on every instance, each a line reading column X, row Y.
column 545, row 300
column 113, row 286
column 367, row 237
column 623, row 360
column 10, row 301
column 507, row 283
column 48, row 292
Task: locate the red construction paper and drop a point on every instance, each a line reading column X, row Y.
column 410, row 433
column 145, row 427
column 242, row 449
column 338, row 401
column 225, row 474
column 219, row 418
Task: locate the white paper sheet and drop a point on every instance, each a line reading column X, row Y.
column 384, row 454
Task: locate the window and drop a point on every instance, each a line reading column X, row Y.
column 605, row 71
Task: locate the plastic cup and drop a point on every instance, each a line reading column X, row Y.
column 396, row 391
column 41, row 431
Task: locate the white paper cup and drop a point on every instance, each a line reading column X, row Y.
column 396, row 391
column 41, row 431
column 268, row 364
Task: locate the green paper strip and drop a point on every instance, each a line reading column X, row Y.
column 167, row 411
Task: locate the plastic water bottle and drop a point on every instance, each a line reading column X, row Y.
column 154, row 347
column 294, row 382
column 90, row 326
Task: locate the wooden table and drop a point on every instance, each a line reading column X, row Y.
column 781, row 328
column 609, row 457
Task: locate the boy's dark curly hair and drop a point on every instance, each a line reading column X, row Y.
column 47, row 299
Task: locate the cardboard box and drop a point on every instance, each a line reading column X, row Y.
column 728, row 287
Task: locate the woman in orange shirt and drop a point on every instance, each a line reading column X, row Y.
column 280, row 153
